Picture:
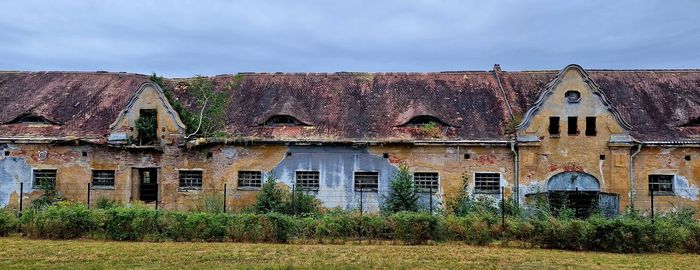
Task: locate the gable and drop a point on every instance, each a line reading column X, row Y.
column 149, row 96
column 586, row 100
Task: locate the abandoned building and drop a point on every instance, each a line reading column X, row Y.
column 600, row 138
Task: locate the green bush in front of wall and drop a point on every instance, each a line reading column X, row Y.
column 8, row 222
column 402, row 192
column 64, row 220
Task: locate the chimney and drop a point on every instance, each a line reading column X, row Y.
column 497, row 68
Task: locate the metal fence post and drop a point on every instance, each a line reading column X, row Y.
column 430, row 199
column 225, row 198
column 21, row 197
column 361, row 200
column 503, row 208
column 294, row 193
column 651, row 192
column 88, row 195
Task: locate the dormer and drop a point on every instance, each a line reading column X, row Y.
column 147, row 111
column 282, row 120
column 31, row 119
column 424, row 120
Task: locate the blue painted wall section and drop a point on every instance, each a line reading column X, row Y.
column 337, row 165
column 13, row 171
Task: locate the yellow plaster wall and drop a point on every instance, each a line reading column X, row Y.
column 667, row 160
column 150, row 99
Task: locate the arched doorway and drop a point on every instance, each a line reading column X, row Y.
column 576, row 190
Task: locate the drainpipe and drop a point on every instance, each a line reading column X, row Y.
column 633, row 193
column 516, row 185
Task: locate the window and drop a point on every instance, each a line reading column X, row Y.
column 249, row 179
column 147, row 126
column 190, row 180
column 572, row 124
column 426, row 181
column 487, row 183
column 661, row 183
column 590, row 126
column 554, row 125
column 33, row 119
column 44, row 178
column 423, row 120
column 283, row 120
column 308, row 180
column 573, row 96
column 366, row 181
column 103, row 178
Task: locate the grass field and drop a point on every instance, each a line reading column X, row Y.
column 19, row 253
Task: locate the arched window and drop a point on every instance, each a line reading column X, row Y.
column 423, row 120
column 30, row 119
column 283, row 120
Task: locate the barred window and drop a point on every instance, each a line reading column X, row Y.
column 308, row 180
column 44, row 178
column 103, row 178
column 426, row 181
column 487, row 182
column 366, row 181
column 190, row 180
column 249, row 179
column 661, row 183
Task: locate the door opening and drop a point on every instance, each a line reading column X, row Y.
column 148, row 184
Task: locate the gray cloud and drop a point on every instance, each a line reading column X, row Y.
column 184, row 38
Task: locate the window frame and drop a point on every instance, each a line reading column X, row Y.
column 249, row 186
column 554, row 121
column 490, row 191
column 572, row 125
column 423, row 189
column 370, row 189
column 35, row 183
column 101, row 185
column 191, row 187
column 594, row 131
column 658, row 192
column 306, row 187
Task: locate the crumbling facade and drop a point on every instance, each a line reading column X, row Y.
column 599, row 139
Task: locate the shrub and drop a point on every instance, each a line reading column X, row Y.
column 8, row 222
column 402, row 192
column 131, row 223
column 270, row 198
column 62, row 221
column 414, row 228
column 106, row 203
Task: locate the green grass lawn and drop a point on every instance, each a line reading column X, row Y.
column 19, row 253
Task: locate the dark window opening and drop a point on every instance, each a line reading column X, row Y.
column 367, row 181
column 84, row 154
column 687, row 158
column 663, row 184
column 553, row 125
column 103, row 178
column 695, row 122
column 426, row 181
column 283, row 120
column 487, row 183
column 7, row 153
column 308, row 180
column 386, row 155
column 44, row 179
column 249, row 179
column 572, row 125
column 147, row 126
column 210, row 154
column 467, row 156
column 573, row 96
column 190, row 180
column 590, row 126
column 602, row 157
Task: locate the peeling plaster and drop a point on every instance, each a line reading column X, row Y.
column 13, row 171
column 682, row 188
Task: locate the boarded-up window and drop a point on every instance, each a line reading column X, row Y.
column 426, row 181
column 44, row 178
column 308, row 180
column 249, row 179
column 572, row 124
column 103, row 178
column 590, row 126
column 554, row 125
column 487, row 182
column 190, row 180
column 366, row 181
column 661, row 183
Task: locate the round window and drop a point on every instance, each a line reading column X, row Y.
column 573, row 96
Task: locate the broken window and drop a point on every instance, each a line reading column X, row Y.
column 366, row 181
column 308, row 180
column 283, row 120
column 487, row 182
column 103, row 178
column 572, row 125
column 249, row 179
column 661, row 183
column 554, row 125
column 33, row 119
column 190, row 180
column 590, row 126
column 426, row 181
column 573, row 96
column 44, row 178
column 147, row 126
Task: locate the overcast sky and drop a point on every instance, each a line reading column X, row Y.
column 185, row 38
